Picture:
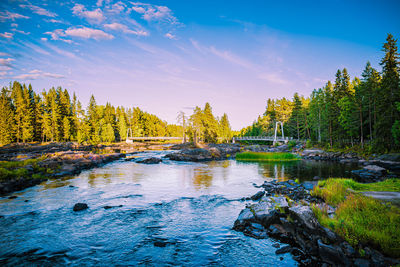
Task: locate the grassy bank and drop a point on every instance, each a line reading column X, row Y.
column 359, row 219
column 16, row 169
column 266, row 156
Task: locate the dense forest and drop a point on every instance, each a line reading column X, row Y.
column 52, row 115
column 347, row 112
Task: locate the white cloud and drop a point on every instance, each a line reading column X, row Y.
column 123, row 28
column 2, row 54
column 88, row 33
column 39, row 10
column 7, row 35
column 6, row 62
column 99, row 3
column 12, row 16
column 37, row 74
column 170, row 36
column 43, row 39
column 154, row 13
column 94, row 16
column 118, row 7
column 55, row 35
column 14, row 25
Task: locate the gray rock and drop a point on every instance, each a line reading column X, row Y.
column 283, row 250
column 332, row 255
column 375, row 169
column 347, row 249
column 361, row 263
column 245, row 216
column 257, row 195
column 305, row 216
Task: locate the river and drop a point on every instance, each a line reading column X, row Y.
column 173, row 213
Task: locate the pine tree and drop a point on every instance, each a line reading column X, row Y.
column 389, row 94
column 6, row 117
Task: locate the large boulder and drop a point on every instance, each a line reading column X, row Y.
column 265, row 212
column 332, row 254
column 376, row 169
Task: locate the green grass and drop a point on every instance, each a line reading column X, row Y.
column 334, row 190
column 14, row 169
column 266, row 156
column 360, row 219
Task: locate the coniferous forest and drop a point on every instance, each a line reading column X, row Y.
column 52, row 115
column 347, row 112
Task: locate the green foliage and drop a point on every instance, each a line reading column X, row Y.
column 339, row 186
column 363, row 220
column 344, row 113
column 291, row 144
column 266, row 156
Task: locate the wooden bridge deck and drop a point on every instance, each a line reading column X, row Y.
column 263, row 138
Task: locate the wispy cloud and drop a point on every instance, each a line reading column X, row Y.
column 94, row 16
column 7, row 35
column 37, row 74
column 6, row 62
column 82, row 32
column 123, row 28
column 273, row 78
column 39, row 10
column 154, row 13
column 19, row 31
column 5, row 15
column 224, row 54
column 37, row 49
column 63, row 52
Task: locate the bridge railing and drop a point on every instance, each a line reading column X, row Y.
column 261, row 138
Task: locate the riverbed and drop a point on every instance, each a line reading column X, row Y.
column 172, row 213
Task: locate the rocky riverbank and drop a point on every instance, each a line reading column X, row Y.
column 372, row 170
column 51, row 165
column 283, row 212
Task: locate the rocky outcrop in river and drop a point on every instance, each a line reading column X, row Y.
column 210, row 152
column 284, row 213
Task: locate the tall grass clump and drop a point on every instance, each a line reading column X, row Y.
column 360, row 219
column 266, row 156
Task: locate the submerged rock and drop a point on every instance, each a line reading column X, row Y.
column 80, row 206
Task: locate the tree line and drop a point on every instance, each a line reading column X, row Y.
column 26, row 116
column 52, row 115
column 345, row 112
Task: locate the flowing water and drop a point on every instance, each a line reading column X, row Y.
column 173, row 213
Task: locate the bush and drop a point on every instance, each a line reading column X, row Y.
column 292, row 144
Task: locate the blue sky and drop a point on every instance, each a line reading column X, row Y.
column 166, row 56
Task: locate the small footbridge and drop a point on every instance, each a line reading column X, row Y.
column 273, row 139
